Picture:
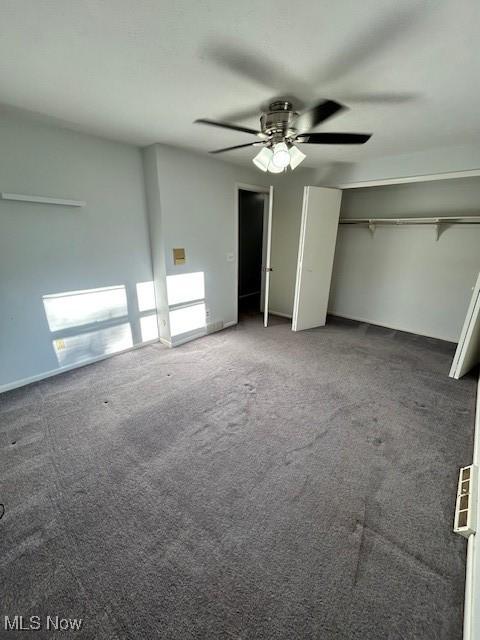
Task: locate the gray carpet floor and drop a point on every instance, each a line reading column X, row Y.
column 252, row 484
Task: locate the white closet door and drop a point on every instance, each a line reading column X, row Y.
column 318, row 234
column 467, row 354
column 268, row 266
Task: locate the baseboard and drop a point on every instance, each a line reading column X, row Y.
column 83, row 363
column 176, row 342
column 249, row 295
column 193, row 336
column 390, row 326
column 279, row 313
column 197, row 334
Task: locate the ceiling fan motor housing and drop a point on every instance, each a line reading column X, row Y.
column 282, row 128
column 277, row 121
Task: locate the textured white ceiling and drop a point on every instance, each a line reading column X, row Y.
column 141, row 71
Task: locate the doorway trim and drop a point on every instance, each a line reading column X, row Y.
column 256, row 188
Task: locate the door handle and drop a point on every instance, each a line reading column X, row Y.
column 267, row 269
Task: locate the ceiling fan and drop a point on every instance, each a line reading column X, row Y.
column 282, row 128
column 284, row 123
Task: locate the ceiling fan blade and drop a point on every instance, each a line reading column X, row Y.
column 227, row 125
column 379, row 98
column 380, row 36
column 254, row 66
column 334, row 138
column 238, row 146
column 312, row 117
column 243, row 114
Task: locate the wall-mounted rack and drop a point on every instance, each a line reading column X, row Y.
column 42, row 200
column 440, row 223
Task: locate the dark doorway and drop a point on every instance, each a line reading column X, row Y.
column 251, row 212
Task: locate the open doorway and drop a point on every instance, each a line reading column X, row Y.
column 252, row 250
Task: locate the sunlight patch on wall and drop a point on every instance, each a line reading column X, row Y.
column 146, row 296
column 88, row 323
column 186, row 302
column 77, row 308
column 93, row 344
column 185, row 319
column 149, row 327
column 147, row 303
column 185, row 287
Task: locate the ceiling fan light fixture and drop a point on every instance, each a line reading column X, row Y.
column 272, row 168
column 281, row 155
column 296, row 157
column 263, row 158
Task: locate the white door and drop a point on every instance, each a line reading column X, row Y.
column 267, row 266
column 467, row 354
column 318, row 235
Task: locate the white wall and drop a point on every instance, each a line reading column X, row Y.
column 441, row 160
column 51, row 249
column 196, row 207
column 47, row 250
column 401, row 277
column 460, row 196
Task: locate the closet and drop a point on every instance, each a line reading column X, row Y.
column 406, row 256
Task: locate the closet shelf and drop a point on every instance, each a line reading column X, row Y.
column 42, row 199
column 439, row 222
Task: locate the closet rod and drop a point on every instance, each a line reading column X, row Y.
column 437, row 220
column 439, row 223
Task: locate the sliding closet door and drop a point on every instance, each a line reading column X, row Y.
column 318, row 234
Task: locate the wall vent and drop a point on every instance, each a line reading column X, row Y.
column 466, row 508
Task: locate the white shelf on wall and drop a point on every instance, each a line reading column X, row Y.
column 439, row 223
column 42, row 200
